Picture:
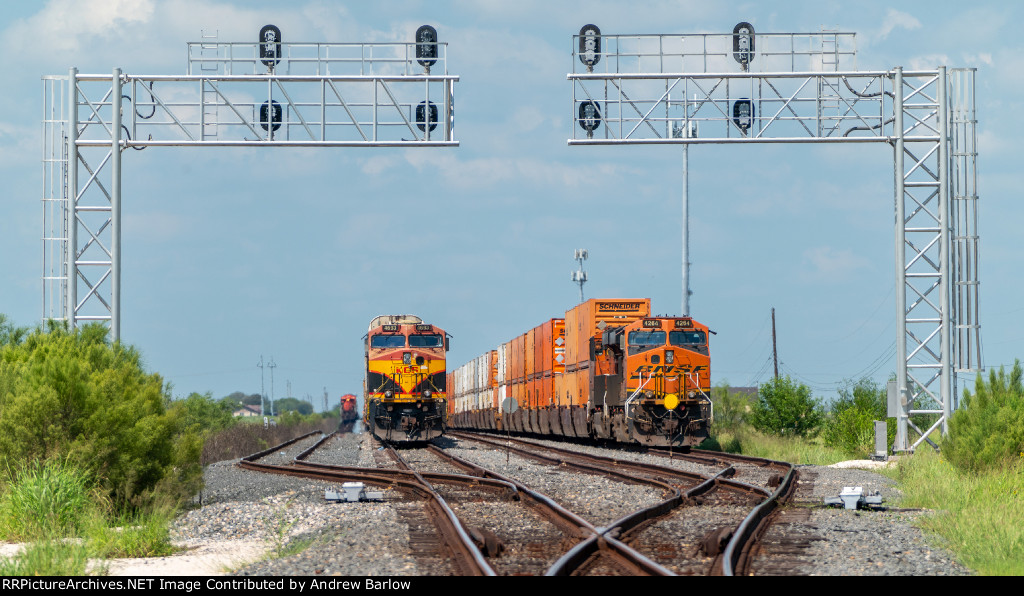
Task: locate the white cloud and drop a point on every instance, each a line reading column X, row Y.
column 68, row 25
column 829, row 265
column 895, row 19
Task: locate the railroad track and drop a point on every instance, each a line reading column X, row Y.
column 460, row 511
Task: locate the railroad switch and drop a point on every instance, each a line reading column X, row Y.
column 853, row 497
column 352, row 492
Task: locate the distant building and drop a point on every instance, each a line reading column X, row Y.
column 247, row 410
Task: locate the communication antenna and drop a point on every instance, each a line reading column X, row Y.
column 580, row 276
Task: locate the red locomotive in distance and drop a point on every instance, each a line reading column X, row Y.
column 349, row 413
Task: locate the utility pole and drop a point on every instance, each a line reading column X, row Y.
column 775, row 351
column 325, row 400
column 263, row 392
column 688, row 130
column 272, row 366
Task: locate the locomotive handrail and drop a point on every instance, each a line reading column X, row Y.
column 629, row 402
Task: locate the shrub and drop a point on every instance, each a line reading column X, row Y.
column 730, row 408
column 988, row 429
column 73, row 395
column 786, row 408
column 851, row 426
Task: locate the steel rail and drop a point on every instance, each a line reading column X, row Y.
column 730, row 484
column 625, row 555
column 583, row 551
column 450, row 530
column 454, row 533
column 736, row 553
column 373, row 473
column 266, row 452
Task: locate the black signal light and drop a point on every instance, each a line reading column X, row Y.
column 590, row 116
column 590, row 45
column 422, row 117
column 743, row 114
column 426, row 46
column 743, row 44
column 270, row 115
column 270, row 45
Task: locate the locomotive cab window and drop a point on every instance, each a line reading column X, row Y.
column 687, row 338
column 432, row 340
column 646, row 338
column 387, row 341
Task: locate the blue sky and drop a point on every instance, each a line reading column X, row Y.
column 234, row 253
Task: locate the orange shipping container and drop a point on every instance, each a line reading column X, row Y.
column 581, row 323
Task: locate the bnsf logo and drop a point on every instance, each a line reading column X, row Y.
column 648, row 370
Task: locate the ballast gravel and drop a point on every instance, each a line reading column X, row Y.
column 304, row 535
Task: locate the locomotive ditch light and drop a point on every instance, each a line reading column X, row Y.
column 270, row 46
column 743, row 114
column 743, row 44
column 270, row 115
column 590, row 117
column 422, row 117
column 590, row 46
column 426, row 46
column 389, row 394
column 426, row 393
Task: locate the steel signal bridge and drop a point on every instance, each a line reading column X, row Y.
column 257, row 94
column 747, row 87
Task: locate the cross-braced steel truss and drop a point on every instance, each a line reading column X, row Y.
column 314, row 95
column 628, row 94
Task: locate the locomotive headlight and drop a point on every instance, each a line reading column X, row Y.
column 407, row 358
column 670, row 357
column 426, row 393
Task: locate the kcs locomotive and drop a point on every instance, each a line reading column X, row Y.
column 405, row 397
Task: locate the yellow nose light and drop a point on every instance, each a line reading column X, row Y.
column 671, row 401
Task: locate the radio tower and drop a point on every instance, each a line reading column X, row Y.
column 580, row 276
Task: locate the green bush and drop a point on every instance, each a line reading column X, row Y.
column 851, row 426
column 72, row 395
column 730, row 409
column 987, row 431
column 786, row 408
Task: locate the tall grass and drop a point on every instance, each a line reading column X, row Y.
column 979, row 515
column 44, row 500
column 49, row 558
column 131, row 535
column 748, row 441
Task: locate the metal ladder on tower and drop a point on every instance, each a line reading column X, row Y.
column 210, row 64
column 829, row 116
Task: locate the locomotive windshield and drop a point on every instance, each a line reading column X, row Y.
column 687, row 338
column 432, row 340
column 647, row 338
column 387, row 341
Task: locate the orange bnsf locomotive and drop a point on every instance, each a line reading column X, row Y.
column 404, row 388
column 608, row 370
